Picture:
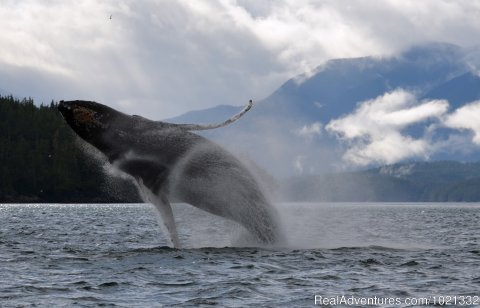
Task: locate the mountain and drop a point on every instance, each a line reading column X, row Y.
column 209, row 115
column 337, row 86
column 285, row 132
column 43, row 163
column 410, row 182
column 458, row 91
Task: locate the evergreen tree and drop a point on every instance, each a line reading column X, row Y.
column 40, row 160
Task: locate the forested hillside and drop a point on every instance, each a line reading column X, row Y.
column 41, row 162
column 440, row 181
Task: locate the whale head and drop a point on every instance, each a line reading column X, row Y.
column 90, row 120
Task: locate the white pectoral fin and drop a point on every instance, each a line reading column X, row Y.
column 165, row 210
column 217, row 125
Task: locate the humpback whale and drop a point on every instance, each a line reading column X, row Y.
column 170, row 162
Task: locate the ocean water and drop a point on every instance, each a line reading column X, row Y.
column 116, row 255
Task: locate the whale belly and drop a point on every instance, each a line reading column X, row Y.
column 218, row 183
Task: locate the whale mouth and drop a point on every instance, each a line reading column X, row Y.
column 64, row 107
column 66, row 110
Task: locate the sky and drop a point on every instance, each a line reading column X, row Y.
column 162, row 58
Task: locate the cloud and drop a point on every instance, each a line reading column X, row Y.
column 299, row 164
column 310, row 131
column 159, row 58
column 374, row 130
column 466, row 118
column 156, row 58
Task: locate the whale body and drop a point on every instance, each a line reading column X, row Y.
column 170, row 162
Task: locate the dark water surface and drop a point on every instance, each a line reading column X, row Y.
column 116, row 255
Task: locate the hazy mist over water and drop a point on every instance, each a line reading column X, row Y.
column 90, row 255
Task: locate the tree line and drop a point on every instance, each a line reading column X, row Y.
column 436, row 181
column 41, row 160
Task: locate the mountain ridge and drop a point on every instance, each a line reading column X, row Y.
column 442, row 181
column 335, row 89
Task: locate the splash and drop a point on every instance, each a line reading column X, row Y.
column 167, row 161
